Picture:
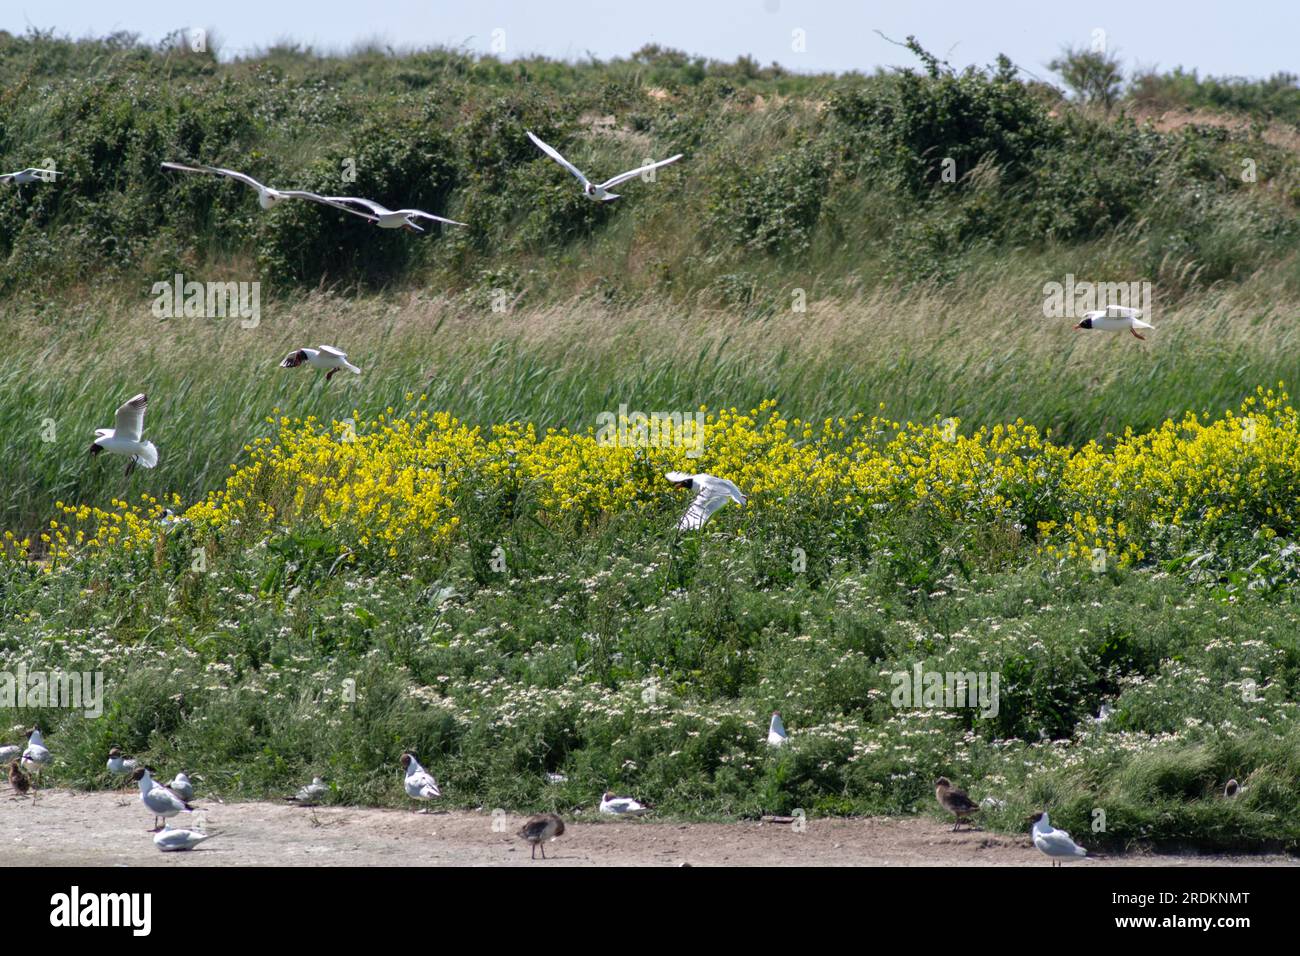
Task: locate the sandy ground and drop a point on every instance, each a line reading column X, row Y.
column 111, row 829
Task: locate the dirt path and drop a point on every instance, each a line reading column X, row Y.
column 110, row 829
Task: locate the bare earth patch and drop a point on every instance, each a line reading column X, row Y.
column 111, row 829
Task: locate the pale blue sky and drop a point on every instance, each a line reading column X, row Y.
column 1245, row 39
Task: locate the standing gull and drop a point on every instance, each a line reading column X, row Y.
column 160, row 801
column 124, row 439
column 1053, row 842
column 539, row 829
column 955, row 801
column 35, row 755
column 776, row 735
column 713, row 494
column 419, row 783
column 324, row 357
column 599, row 192
column 311, row 794
column 119, row 764
column 182, row 787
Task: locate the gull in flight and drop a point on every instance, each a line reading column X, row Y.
column 30, row 175
column 539, row 829
column 119, row 764
column 1053, row 842
column 600, row 192
column 955, row 801
column 182, row 787
column 419, row 783
column 124, row 439
column 1113, row 318
column 170, row 840
column 622, row 806
column 160, row 801
column 776, row 735
column 386, row 218
column 266, row 196
column 311, row 794
column 713, row 494
column 35, row 755
column 325, row 356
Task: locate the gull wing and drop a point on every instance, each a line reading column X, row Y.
column 554, row 154
column 331, row 350
column 218, row 171
column 429, row 215
column 1056, row 842
column 632, row 173
column 336, row 202
column 370, row 204
column 130, row 418
column 1122, row 312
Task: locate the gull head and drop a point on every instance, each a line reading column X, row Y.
column 294, row 359
column 1040, row 816
column 679, row 479
column 1085, row 323
column 407, row 758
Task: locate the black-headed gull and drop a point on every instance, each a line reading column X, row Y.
column 266, row 196
column 170, row 840
column 540, row 829
column 622, row 806
column 35, row 755
column 598, row 191
column 322, row 357
column 119, row 764
column 182, row 787
column 30, row 175
column 17, row 779
column 955, row 801
column 124, row 439
column 419, row 783
column 776, row 735
column 1115, row 318
column 713, row 494
column 386, row 218
column 1053, row 842
column 311, row 794
column 1232, row 789
column 160, row 801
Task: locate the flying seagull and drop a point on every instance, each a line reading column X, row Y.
column 386, row 218
column 955, row 801
column 124, row 439
column 776, row 735
column 713, row 494
column 1113, row 318
column 598, row 192
column 1053, row 842
column 119, row 764
column 622, row 806
column 311, row 794
column 539, row 829
column 419, row 783
column 160, row 801
column 30, row 175
column 266, row 196
column 324, row 356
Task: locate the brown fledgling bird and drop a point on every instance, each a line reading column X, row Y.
column 17, row 779
column 955, row 801
column 539, row 829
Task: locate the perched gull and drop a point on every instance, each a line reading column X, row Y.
column 955, row 801
column 169, row 840
column 311, row 794
column 35, row 755
column 30, row 175
column 182, row 787
column 776, row 735
column 386, row 218
column 124, row 439
column 160, row 801
column 266, row 196
column 17, row 779
column 1053, row 842
column 599, row 192
column 622, row 806
column 326, row 356
column 119, row 764
column 419, row 783
column 713, row 494
column 539, row 829
column 1113, row 318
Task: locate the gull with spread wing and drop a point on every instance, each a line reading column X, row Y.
column 599, row 192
